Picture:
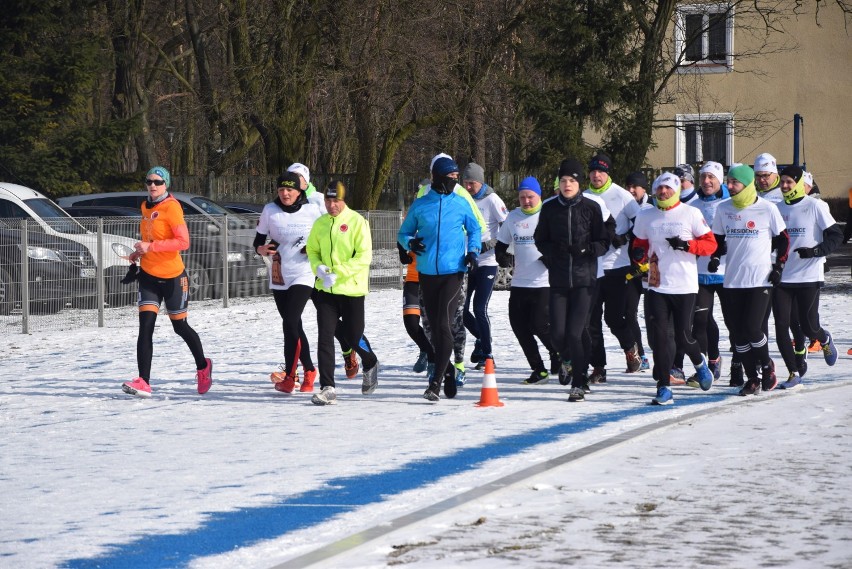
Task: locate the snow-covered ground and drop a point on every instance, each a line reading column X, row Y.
column 247, row 477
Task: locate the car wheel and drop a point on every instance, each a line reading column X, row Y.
column 199, row 281
column 8, row 294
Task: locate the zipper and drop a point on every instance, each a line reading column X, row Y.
column 570, row 242
column 438, row 235
column 331, row 244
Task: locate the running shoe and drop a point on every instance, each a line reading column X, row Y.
column 350, row 364
column 204, row 377
column 138, row 387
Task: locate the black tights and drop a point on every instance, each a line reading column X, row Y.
column 145, row 342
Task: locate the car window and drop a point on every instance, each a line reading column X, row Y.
column 235, row 221
column 55, row 216
column 123, row 201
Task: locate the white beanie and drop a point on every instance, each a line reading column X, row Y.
column 435, row 158
column 301, row 170
column 666, row 179
column 808, row 178
column 765, row 163
column 714, row 168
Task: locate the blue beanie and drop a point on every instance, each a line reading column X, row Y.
column 530, row 183
column 444, row 166
column 161, row 172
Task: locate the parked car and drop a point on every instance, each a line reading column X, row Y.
column 247, row 271
column 60, row 272
column 244, row 208
column 20, row 202
column 117, row 220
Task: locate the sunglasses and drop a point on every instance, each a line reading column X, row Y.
column 150, row 182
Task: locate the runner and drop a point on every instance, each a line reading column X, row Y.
column 162, row 277
column 282, row 234
column 480, row 283
column 748, row 229
column 611, row 301
column 813, row 235
column 442, row 229
column 529, row 296
column 669, row 237
column 340, row 249
column 571, row 236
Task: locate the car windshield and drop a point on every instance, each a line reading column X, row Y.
column 235, row 221
column 55, row 216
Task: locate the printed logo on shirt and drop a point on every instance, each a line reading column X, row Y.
column 750, row 224
column 155, row 214
column 344, row 228
column 796, row 231
column 744, row 232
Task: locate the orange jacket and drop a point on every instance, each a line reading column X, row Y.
column 164, row 228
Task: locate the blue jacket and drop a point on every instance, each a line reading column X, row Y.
column 449, row 230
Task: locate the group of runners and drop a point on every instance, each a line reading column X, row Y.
column 581, row 257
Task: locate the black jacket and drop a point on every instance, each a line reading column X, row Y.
column 571, row 235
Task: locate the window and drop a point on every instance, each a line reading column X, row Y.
column 704, row 37
column 704, row 137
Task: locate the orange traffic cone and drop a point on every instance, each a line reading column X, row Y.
column 488, row 397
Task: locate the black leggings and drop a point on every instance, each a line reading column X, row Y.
column 786, row 300
column 335, row 310
column 145, row 342
column 529, row 317
column 675, row 312
column 569, row 315
column 704, row 326
column 745, row 309
column 441, row 299
column 291, row 304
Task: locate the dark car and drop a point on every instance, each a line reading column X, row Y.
column 117, row 220
column 247, row 271
column 243, row 208
column 60, row 272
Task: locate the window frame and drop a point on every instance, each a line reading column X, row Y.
column 704, row 65
column 681, row 120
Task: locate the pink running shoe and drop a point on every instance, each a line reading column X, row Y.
column 205, row 377
column 138, row 387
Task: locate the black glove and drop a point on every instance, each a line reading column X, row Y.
column 416, row 246
column 714, row 263
column 678, row 244
column 775, row 274
column 132, row 274
column 504, row 259
column 810, row 252
column 578, row 250
column 619, row 240
column 471, row 261
column 404, row 257
column 638, row 253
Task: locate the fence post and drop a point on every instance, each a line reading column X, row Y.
column 225, row 267
column 99, row 273
column 25, row 279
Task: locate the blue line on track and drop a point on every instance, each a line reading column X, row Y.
column 226, row 531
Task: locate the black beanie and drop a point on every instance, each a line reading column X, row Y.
column 600, row 162
column 336, row 190
column 573, row 168
column 289, row 180
column 636, row 179
column 792, row 171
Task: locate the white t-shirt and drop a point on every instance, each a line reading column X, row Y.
column 748, row 234
column 774, row 195
column 290, row 231
column 493, row 211
column 708, row 210
column 606, row 214
column 805, row 221
column 678, row 269
column 517, row 230
column 617, row 200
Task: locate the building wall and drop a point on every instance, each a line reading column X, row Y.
column 814, row 79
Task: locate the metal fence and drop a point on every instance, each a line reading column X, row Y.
column 58, row 274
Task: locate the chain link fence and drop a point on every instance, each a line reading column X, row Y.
column 70, row 279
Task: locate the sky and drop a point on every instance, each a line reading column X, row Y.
column 245, row 476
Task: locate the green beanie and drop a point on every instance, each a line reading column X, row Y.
column 742, row 173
